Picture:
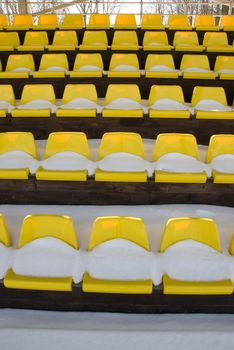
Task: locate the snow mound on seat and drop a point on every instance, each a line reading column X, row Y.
column 89, row 68
column 165, row 104
column 223, row 163
column 212, row 105
column 6, row 106
column 124, row 103
column 15, row 160
column 6, row 256
column 38, row 104
column 160, row 68
column 81, row 103
column 125, row 68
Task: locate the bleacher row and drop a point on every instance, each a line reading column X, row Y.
column 121, row 158
column 122, row 240
column 122, row 40
column 121, row 101
column 122, row 21
column 126, row 65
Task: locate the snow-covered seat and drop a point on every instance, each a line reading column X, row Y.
column 160, row 66
column 87, row 65
column 124, row 65
column 196, row 67
column 156, row 41
column 52, row 66
column 7, row 100
column 18, row 67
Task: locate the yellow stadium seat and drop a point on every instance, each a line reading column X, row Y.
column 178, row 143
column 3, row 21
column 179, row 22
column 9, row 41
column 120, row 142
column 52, row 66
column 94, row 41
column 110, row 228
column 220, row 145
column 156, row 41
column 226, row 23
column 201, row 230
column 231, row 248
column 125, row 40
column 65, row 142
column 37, row 227
column 34, row 41
column 187, row 41
column 64, row 40
column 21, row 22
column 47, row 22
column 17, row 141
column 160, row 66
column 35, row 92
column 122, row 91
column 205, row 22
column 217, row 42
column 152, row 21
column 125, row 21
column 4, row 233
column 87, row 65
column 224, row 66
column 124, row 66
column 18, row 66
column 98, row 21
column 78, row 91
column 72, row 21
column 191, row 64
column 216, row 94
column 7, row 95
column 175, row 93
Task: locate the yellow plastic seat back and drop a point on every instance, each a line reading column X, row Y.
column 71, row 21
column 178, row 22
column 113, row 142
column 7, row 94
column 65, row 38
column 4, row 233
column 20, row 141
column 20, row 61
column 88, row 59
column 9, row 41
column 38, row 92
column 195, row 61
column 118, row 59
column 208, row 93
column 40, row 226
column 224, row 62
column 125, row 21
column 95, row 38
column 50, row 20
column 152, row 21
column 74, row 91
column 153, row 38
column 206, row 21
column 185, row 38
column 51, row 60
column 226, row 22
column 158, row 60
column 98, row 21
column 3, row 21
column 114, row 227
column 220, row 144
column 201, row 230
column 178, row 143
column 116, row 91
column 36, row 39
column 215, row 39
column 67, row 142
column 23, row 21
column 125, row 37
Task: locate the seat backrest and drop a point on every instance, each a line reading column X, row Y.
column 129, row 59
column 20, row 61
column 36, row 38
column 231, row 247
column 113, row 142
column 7, row 94
column 226, row 21
column 125, row 20
column 67, row 142
column 155, row 37
column 201, row 230
column 40, row 226
column 51, row 19
column 159, row 60
column 185, row 38
column 9, row 39
column 178, row 20
column 74, row 20
column 127, row 36
column 209, row 93
column 220, row 144
column 152, row 19
column 4, row 233
column 173, row 92
column 53, row 59
column 38, row 92
column 178, row 143
column 63, row 37
column 20, row 141
column 115, row 91
column 90, row 59
column 204, row 20
column 73, row 91
column 23, row 20
column 3, row 20
column 97, row 36
column 195, row 61
column 215, row 39
column 224, row 62
column 118, row 227
column 99, row 19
